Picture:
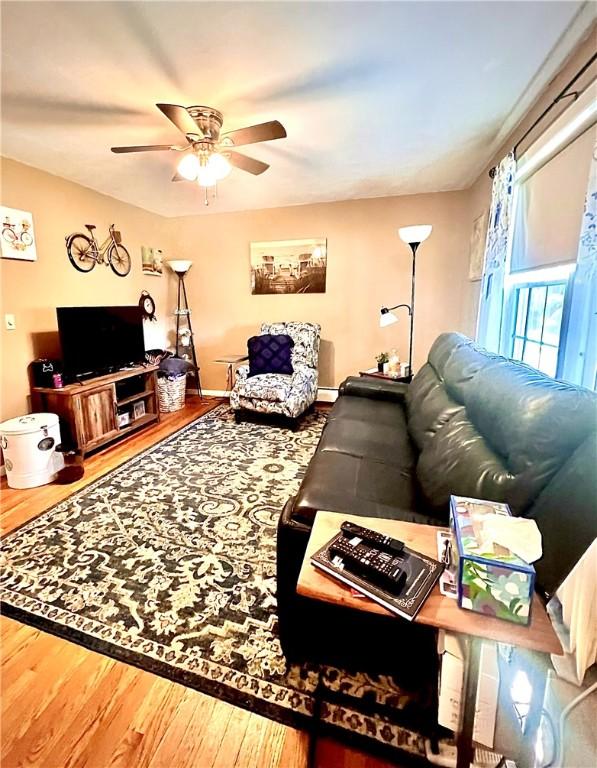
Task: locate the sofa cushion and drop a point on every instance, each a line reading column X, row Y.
column 355, row 485
column 460, row 369
column 378, row 438
column 515, row 430
column 530, row 419
column 428, row 405
column 566, row 514
column 375, row 440
column 443, row 348
column 367, row 410
column 270, row 353
column 459, row 461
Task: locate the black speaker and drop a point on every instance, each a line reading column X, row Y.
column 42, row 371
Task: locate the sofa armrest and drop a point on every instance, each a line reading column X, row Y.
column 377, row 389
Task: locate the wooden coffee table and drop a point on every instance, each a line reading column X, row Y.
column 438, row 611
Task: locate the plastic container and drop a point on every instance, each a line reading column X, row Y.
column 394, row 363
column 29, row 448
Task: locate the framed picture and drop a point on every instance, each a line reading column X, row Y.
column 152, row 261
column 477, row 248
column 18, row 239
column 289, row 266
column 124, row 419
column 138, row 409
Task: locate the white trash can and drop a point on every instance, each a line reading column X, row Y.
column 29, row 449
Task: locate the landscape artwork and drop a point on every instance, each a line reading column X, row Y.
column 477, row 247
column 18, row 239
column 289, row 266
column 152, row 260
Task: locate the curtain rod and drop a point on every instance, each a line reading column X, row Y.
column 561, row 95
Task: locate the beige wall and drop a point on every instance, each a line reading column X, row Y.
column 368, row 266
column 32, row 290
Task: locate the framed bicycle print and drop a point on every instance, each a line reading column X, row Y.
column 17, row 240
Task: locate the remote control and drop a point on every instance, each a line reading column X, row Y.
column 380, row 568
column 373, row 538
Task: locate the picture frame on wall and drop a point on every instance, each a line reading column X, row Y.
column 17, row 240
column 289, row 266
column 477, row 247
column 152, row 261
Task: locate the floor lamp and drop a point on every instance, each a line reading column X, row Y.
column 413, row 236
column 180, row 267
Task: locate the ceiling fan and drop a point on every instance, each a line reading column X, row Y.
column 207, row 155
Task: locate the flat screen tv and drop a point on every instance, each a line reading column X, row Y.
column 97, row 340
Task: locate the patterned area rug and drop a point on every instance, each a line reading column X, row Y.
column 168, row 563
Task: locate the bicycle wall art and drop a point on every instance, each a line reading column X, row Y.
column 85, row 252
column 17, row 240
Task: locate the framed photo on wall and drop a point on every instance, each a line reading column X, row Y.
column 18, row 239
column 477, row 248
column 289, row 266
column 152, row 261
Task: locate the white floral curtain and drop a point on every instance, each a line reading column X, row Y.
column 496, row 255
column 578, row 356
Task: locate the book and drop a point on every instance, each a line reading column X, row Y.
column 422, row 573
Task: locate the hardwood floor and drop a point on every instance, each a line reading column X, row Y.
column 66, row 707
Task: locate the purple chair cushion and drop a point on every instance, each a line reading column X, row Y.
column 270, row 353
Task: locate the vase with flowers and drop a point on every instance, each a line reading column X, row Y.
column 382, row 360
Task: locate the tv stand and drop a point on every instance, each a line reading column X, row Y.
column 89, row 410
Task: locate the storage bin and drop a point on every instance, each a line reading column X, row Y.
column 171, row 393
column 491, row 579
column 29, row 449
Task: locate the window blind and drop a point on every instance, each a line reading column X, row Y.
column 550, row 205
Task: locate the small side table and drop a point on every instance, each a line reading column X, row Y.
column 438, row 611
column 231, row 361
column 386, row 376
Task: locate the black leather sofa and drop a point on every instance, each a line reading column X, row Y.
column 471, row 423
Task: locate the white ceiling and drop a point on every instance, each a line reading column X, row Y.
column 378, row 98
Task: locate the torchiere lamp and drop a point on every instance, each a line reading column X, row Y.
column 181, row 267
column 414, row 236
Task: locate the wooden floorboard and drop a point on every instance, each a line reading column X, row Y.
column 63, row 706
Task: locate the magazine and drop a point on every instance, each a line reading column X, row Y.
column 422, row 572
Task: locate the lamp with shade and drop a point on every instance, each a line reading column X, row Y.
column 413, row 236
column 180, row 267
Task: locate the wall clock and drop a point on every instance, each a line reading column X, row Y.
column 147, row 304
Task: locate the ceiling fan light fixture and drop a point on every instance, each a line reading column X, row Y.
column 206, row 177
column 219, row 166
column 189, row 167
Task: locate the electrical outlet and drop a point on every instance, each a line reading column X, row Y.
column 10, row 322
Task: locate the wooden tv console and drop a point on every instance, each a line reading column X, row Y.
column 89, row 409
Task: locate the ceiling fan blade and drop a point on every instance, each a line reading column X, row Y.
column 181, row 119
column 178, row 177
column 245, row 163
column 256, row 133
column 150, row 148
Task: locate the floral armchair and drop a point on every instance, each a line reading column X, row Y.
column 285, row 394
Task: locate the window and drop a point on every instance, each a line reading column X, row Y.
column 537, row 323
